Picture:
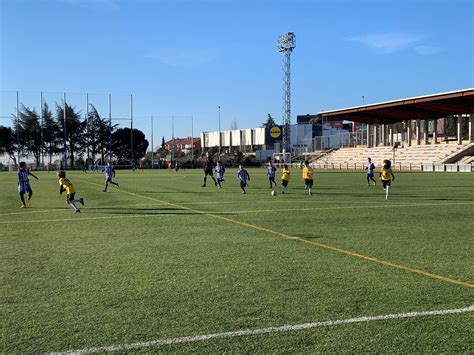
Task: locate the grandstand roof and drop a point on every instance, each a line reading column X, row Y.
column 426, row 107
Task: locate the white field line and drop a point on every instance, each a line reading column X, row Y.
column 269, row 330
column 78, row 219
column 69, row 209
column 345, row 207
column 232, row 212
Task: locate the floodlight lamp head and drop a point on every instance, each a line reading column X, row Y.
column 286, row 42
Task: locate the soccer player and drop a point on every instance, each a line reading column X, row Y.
column 243, row 176
column 208, row 170
column 66, row 185
column 220, row 170
column 308, row 177
column 24, row 184
column 370, row 171
column 386, row 176
column 109, row 175
column 285, row 178
column 271, row 170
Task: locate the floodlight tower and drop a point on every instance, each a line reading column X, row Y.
column 286, row 44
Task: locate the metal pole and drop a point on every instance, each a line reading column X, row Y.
column 152, row 149
column 131, row 129
column 65, row 133
column 110, row 127
column 172, row 138
column 42, row 124
column 219, row 131
column 88, row 140
column 18, row 126
column 192, row 141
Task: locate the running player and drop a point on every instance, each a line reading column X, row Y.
column 271, row 170
column 285, row 178
column 66, row 185
column 243, row 176
column 24, row 184
column 308, row 177
column 208, row 170
column 370, row 172
column 109, row 175
column 220, row 170
column 386, row 176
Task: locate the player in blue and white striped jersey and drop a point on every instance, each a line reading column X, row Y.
column 24, row 184
column 271, row 170
column 109, row 175
column 220, row 170
column 243, row 176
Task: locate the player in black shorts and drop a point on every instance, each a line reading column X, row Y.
column 209, row 170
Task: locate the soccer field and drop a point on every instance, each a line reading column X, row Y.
column 164, row 265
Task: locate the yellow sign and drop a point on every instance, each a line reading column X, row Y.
column 275, row 132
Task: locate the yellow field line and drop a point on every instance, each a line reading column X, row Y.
column 286, row 236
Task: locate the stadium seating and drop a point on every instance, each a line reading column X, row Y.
column 406, row 158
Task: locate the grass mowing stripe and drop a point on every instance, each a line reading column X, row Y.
column 321, row 245
column 269, row 330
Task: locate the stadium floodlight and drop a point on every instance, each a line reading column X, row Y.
column 286, row 44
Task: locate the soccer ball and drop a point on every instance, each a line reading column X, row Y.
column 274, row 193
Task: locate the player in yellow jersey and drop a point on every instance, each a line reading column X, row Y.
column 285, row 178
column 66, row 185
column 308, row 177
column 386, row 176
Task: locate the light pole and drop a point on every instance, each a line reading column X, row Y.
column 363, row 128
column 219, row 130
column 152, row 147
column 172, row 139
column 192, row 141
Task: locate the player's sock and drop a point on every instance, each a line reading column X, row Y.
column 310, row 193
column 22, row 198
column 74, row 207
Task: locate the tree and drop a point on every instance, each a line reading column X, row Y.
column 51, row 136
column 75, row 129
column 121, row 147
column 163, row 142
column 30, row 135
column 269, row 122
column 98, row 135
column 8, row 142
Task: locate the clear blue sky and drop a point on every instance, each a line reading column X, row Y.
column 186, row 58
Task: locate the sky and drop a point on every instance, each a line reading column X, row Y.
column 183, row 59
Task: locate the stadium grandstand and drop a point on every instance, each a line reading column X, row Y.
column 425, row 133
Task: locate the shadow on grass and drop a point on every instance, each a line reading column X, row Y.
column 151, row 211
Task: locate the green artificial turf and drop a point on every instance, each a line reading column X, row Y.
column 162, row 257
